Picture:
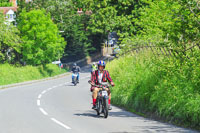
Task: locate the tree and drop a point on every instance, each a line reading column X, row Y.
column 77, row 38
column 41, row 40
column 10, row 42
column 112, row 15
column 5, row 3
column 72, row 26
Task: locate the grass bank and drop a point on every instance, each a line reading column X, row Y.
column 166, row 88
column 11, row 74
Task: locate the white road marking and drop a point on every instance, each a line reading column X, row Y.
column 49, row 89
column 44, row 112
column 44, row 91
column 60, row 123
column 39, row 96
column 38, row 102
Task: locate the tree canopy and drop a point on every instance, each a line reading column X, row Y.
column 167, row 22
column 42, row 42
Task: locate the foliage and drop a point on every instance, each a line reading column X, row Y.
column 111, row 15
column 10, row 42
column 5, row 3
column 167, row 22
column 8, row 73
column 87, row 32
column 71, row 25
column 166, row 87
column 42, row 43
column 161, row 86
column 78, row 38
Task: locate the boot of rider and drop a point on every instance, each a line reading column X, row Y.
column 94, row 96
column 109, row 105
column 94, row 104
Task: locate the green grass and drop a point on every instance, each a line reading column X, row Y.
column 11, row 74
column 165, row 88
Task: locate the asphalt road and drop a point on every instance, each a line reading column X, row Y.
column 56, row 106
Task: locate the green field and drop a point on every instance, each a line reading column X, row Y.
column 11, row 74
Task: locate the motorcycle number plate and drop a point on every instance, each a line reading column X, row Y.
column 104, row 93
column 75, row 75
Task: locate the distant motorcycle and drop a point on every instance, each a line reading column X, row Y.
column 102, row 99
column 75, row 78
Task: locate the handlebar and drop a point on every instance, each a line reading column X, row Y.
column 101, row 85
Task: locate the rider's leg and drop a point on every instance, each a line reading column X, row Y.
column 78, row 77
column 109, row 100
column 109, row 95
column 94, row 96
column 72, row 78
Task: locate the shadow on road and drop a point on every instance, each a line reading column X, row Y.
column 121, row 114
column 157, row 129
column 111, row 114
column 148, row 126
column 70, row 84
column 88, row 114
column 91, row 113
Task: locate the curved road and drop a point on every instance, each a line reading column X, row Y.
column 55, row 106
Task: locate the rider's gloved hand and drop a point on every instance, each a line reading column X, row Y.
column 112, row 83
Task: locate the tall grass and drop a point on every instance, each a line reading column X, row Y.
column 168, row 88
column 11, row 74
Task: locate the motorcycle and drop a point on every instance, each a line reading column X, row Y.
column 75, row 78
column 102, row 99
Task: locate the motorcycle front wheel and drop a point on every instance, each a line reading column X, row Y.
column 105, row 108
column 99, row 107
column 75, row 81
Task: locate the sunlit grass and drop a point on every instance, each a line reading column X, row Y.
column 158, row 85
column 11, row 74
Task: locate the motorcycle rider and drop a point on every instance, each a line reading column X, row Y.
column 99, row 76
column 93, row 67
column 76, row 69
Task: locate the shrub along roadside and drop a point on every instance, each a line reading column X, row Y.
column 160, row 86
column 11, row 74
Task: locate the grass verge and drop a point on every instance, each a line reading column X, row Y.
column 11, row 74
column 166, row 88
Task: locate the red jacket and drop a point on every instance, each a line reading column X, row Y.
column 106, row 77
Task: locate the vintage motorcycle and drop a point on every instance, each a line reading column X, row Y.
column 102, row 99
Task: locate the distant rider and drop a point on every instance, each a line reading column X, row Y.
column 99, row 76
column 76, row 69
column 93, row 67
